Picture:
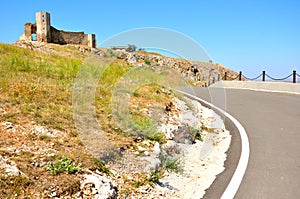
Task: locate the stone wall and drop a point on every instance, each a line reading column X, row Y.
column 64, row 37
column 29, row 29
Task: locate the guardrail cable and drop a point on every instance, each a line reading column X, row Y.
column 251, row 79
column 294, row 76
column 279, row 79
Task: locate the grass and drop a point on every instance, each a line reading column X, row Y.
column 171, row 163
column 15, row 187
column 143, row 126
column 38, row 86
column 158, row 137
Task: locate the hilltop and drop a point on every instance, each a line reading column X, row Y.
column 201, row 73
column 43, row 156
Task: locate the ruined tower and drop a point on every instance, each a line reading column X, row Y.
column 43, row 33
column 91, row 40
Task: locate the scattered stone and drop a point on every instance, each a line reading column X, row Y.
column 41, row 130
column 183, row 135
column 138, row 139
column 98, row 187
column 7, row 125
column 156, row 148
column 9, row 167
column 141, row 149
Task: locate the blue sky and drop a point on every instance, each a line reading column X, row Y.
column 243, row 35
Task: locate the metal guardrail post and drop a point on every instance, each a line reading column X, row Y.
column 294, row 76
column 264, row 76
column 240, row 76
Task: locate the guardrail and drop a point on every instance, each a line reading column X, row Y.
column 263, row 75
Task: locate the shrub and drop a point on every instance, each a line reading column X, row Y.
column 171, row 163
column 158, row 137
column 196, row 133
column 155, row 176
column 144, row 126
column 148, row 62
column 64, row 165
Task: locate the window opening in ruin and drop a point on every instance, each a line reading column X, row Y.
column 33, row 37
column 43, row 18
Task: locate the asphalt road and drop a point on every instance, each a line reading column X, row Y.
column 272, row 122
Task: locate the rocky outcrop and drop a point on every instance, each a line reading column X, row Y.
column 204, row 73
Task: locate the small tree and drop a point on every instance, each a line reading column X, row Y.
column 131, row 48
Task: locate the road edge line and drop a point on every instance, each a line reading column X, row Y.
column 240, row 170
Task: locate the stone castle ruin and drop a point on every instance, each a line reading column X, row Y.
column 42, row 31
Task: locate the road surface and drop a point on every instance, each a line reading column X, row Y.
column 272, row 122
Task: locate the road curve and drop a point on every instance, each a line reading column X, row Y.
column 272, row 122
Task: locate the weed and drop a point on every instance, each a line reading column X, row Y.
column 171, row 163
column 101, row 167
column 144, row 126
column 45, row 138
column 196, row 133
column 155, row 176
column 64, row 165
column 209, row 130
column 158, row 137
column 137, row 184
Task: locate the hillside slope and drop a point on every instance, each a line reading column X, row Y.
column 41, row 153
